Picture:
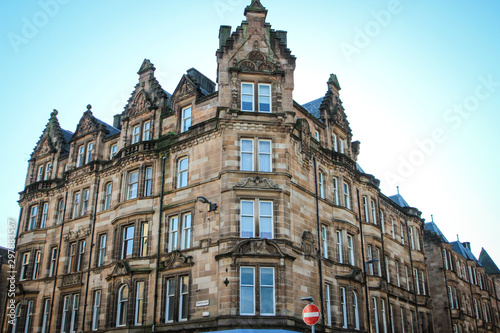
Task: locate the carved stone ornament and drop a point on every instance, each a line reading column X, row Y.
column 258, row 247
column 176, row 259
column 259, row 183
column 307, row 244
column 256, row 61
column 81, row 232
column 121, row 268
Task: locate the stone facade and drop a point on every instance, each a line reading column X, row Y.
column 216, row 209
column 464, row 294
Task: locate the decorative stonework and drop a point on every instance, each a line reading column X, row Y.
column 176, row 259
column 81, row 232
column 258, row 183
column 256, row 61
column 121, row 269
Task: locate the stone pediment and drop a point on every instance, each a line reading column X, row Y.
column 185, row 88
column 121, row 268
column 88, row 124
column 141, row 104
column 44, row 147
column 257, row 183
column 81, row 232
column 176, row 259
column 335, row 111
column 51, row 139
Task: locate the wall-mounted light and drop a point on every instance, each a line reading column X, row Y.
column 211, row 206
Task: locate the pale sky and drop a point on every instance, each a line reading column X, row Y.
column 420, row 84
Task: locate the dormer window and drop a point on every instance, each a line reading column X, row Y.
column 40, row 173
column 48, row 167
column 90, row 147
column 136, row 134
column 146, row 131
column 114, row 150
column 334, row 142
column 81, row 154
column 186, row 119
column 316, row 135
column 263, row 94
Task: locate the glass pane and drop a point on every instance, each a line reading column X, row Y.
column 264, row 104
column 247, row 103
column 184, row 179
column 246, row 162
column 247, row 88
column 247, row 208
column 246, row 300
column 267, row 276
column 265, row 163
column 265, row 147
column 246, row 276
column 183, row 164
column 247, row 145
column 266, row 208
column 134, row 177
column 264, row 90
column 187, row 221
column 266, row 227
column 187, row 113
column 246, row 227
column 129, row 233
column 267, row 300
column 174, row 224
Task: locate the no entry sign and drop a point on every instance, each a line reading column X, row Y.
column 310, row 314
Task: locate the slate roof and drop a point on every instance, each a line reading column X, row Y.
column 313, row 107
column 358, row 167
column 398, row 199
column 432, row 227
column 112, row 130
column 489, row 265
column 67, row 136
column 462, row 250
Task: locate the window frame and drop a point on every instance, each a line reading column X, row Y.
column 122, row 305
column 340, row 245
column 144, row 241
column 343, row 307
column 259, row 221
column 25, row 262
column 45, row 213
column 136, row 134
column 146, row 131
column 36, row 264
column 90, row 148
column 45, row 314
column 181, row 172
column 52, row 261
column 113, row 150
column 148, row 181
column 324, row 241
column 139, row 303
column 126, row 241
column 177, row 300
column 186, row 120
column 101, row 254
column 350, row 250
column 347, row 196
column 132, row 184
column 33, row 217
column 108, row 192
column 321, row 184
column 96, row 309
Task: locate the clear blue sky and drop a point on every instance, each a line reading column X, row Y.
column 420, row 84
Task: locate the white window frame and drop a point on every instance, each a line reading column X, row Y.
column 45, row 314
column 85, row 201
column 324, row 241
column 382, row 221
column 382, row 312
column 263, row 95
column 186, row 231
column 398, row 279
column 248, row 286
column 90, row 148
column 402, row 234
column 334, row 142
column 81, row 156
column 148, row 181
column 393, row 232
column 170, row 299
column 29, row 315
column 263, row 286
column 74, row 311
column 328, row 305
column 316, row 135
column 113, row 151
column 48, row 168
column 127, row 241
column 347, row 196
column 336, row 198
column 365, row 208
column 173, row 232
column 132, row 184
column 412, row 241
column 76, row 205
column 53, row 261
column 102, row 249
column 96, row 309
column 144, row 250
column 45, row 212
column 186, row 119
column 136, row 134
column 139, row 303
column 350, row 250
column 244, row 154
column 33, row 217
column 146, row 131
column 36, row 264
column 343, row 303
column 375, row 314
column 183, row 297
column 340, row 245
column 407, row 278
column 374, row 212
column 423, row 283
column 252, row 98
column 24, row 266
column 182, row 173
column 355, row 307
column 39, row 176
column 108, row 195
column 417, row 284
column 122, row 306
column 370, row 257
column 387, row 269
column 321, row 185
column 379, row 265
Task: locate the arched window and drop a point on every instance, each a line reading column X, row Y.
column 355, row 310
column 122, row 309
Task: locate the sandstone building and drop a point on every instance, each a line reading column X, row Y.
column 216, row 207
column 465, row 291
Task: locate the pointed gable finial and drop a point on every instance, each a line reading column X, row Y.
column 255, row 7
column 334, row 81
column 146, row 66
column 397, row 188
column 432, row 218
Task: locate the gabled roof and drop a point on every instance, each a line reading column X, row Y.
column 89, row 124
column 313, row 107
column 398, row 199
column 462, row 250
column 112, row 130
column 432, row 227
column 489, row 265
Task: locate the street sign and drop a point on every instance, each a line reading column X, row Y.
column 310, row 314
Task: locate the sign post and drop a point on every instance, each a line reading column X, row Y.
column 310, row 314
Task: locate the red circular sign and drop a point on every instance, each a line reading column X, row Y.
column 310, row 314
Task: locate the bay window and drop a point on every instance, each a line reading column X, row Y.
column 252, row 288
column 248, row 100
column 132, row 184
column 262, row 161
column 177, row 299
column 256, row 218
